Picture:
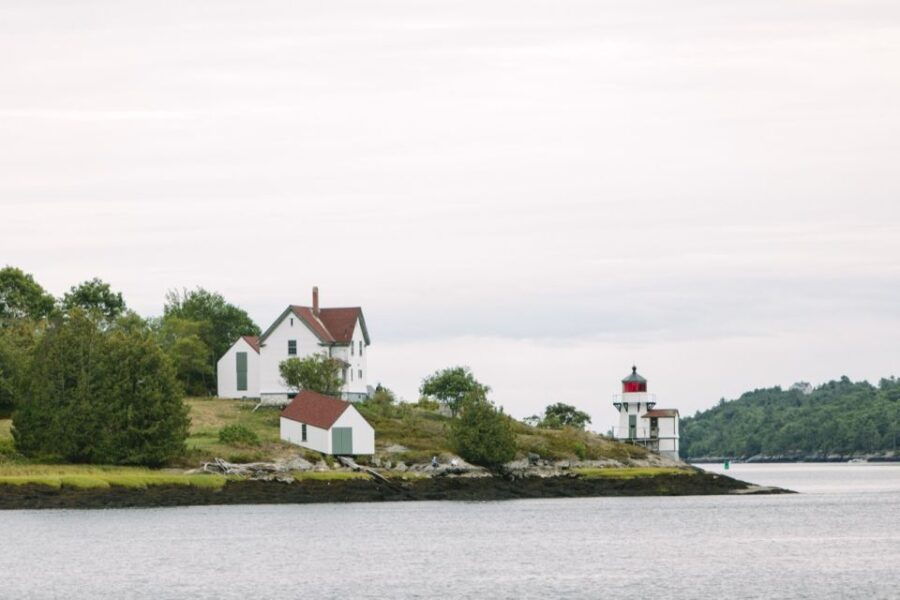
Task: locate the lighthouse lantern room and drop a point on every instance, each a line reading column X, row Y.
column 640, row 422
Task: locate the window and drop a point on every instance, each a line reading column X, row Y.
column 351, row 348
column 292, row 321
column 360, row 373
column 241, row 360
column 292, row 347
column 360, row 347
column 351, row 374
column 303, row 432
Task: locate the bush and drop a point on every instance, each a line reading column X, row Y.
column 238, row 434
column 482, row 434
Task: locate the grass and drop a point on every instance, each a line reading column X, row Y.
column 210, row 415
column 630, row 472
column 87, row 477
column 327, row 475
column 426, row 433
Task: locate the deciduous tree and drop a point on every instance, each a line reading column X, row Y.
column 317, row 373
column 450, row 386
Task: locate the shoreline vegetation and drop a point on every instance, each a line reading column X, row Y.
column 260, row 468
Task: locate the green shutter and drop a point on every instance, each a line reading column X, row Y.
column 241, row 371
column 342, row 440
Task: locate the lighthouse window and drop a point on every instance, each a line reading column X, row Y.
column 625, row 404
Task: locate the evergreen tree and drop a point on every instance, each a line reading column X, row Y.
column 99, row 395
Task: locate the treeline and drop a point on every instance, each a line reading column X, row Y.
column 86, row 379
column 838, row 418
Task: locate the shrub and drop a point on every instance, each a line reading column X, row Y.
column 238, row 434
column 482, row 434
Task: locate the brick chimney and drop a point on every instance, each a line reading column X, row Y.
column 316, row 300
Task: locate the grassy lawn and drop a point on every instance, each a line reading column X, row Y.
column 88, row 476
column 631, row 472
column 209, row 415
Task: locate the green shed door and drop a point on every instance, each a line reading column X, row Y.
column 241, row 371
column 342, row 440
column 632, row 426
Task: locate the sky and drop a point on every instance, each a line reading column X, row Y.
column 546, row 192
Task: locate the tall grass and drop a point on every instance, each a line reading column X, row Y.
column 93, row 477
column 630, row 472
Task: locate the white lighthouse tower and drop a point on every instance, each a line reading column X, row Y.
column 640, row 422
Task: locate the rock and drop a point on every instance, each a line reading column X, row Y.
column 401, row 466
column 533, row 458
column 395, row 449
column 298, row 463
column 321, row 466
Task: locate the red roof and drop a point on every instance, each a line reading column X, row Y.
column 332, row 325
column 253, row 341
column 315, row 409
column 660, row 412
column 340, row 322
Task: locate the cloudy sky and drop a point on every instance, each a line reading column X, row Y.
column 544, row 191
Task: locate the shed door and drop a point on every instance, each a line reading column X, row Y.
column 632, row 426
column 342, row 440
column 241, row 359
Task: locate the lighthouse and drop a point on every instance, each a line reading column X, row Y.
column 640, row 422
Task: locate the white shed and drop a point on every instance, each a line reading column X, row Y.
column 326, row 424
column 238, row 369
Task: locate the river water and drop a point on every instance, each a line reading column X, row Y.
column 840, row 538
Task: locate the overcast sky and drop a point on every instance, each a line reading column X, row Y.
column 546, row 191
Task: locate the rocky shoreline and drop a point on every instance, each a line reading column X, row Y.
column 372, row 490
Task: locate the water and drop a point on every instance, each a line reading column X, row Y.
column 839, row 539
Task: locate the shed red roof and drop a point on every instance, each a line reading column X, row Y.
column 315, row 409
column 253, row 341
column 661, row 412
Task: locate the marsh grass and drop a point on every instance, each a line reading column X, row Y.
column 630, row 472
column 327, row 475
column 93, row 477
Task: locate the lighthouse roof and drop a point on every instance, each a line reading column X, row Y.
column 634, row 377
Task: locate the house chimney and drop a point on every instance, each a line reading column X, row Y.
column 316, row 300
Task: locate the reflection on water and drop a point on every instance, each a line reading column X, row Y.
column 839, row 541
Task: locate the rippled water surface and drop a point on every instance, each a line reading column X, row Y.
column 838, row 539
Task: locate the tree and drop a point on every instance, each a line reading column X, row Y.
column 100, row 395
column 482, row 434
column 451, row 385
column 182, row 341
column 317, row 373
column 564, row 415
column 16, row 342
column 22, row 297
column 223, row 323
column 95, row 295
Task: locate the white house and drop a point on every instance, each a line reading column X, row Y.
column 326, row 424
column 301, row 331
column 238, row 369
column 640, row 423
